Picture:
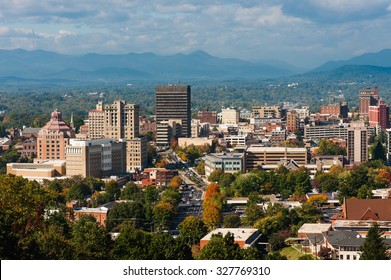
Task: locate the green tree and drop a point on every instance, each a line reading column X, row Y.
column 201, row 168
column 113, row 190
column 328, row 147
column 127, row 211
column 374, row 247
column 192, row 229
column 377, row 151
column 132, row 192
column 89, row 240
column 221, row 247
column 132, row 244
column 164, row 247
column 215, row 175
column 253, row 213
column 53, row 244
column 163, row 212
column 232, row 221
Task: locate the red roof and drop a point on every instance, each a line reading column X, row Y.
column 367, row 209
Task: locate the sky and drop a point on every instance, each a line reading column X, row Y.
column 305, row 33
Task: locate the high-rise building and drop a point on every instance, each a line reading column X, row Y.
column 53, row 138
column 368, row 97
column 173, row 102
column 96, row 122
column 120, row 121
column 357, row 143
column 379, row 115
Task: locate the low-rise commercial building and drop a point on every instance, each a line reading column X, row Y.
column 228, row 162
column 244, row 237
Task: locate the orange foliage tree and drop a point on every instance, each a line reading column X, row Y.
column 176, row 182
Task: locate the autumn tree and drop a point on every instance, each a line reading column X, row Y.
column 163, row 212
column 192, row 229
column 176, row 182
column 317, row 199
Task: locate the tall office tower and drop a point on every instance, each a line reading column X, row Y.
column 120, row 121
column 53, row 138
column 96, row 122
column 173, row 102
column 357, row 144
column 379, row 115
column 368, row 97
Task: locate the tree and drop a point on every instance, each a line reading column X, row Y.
column 253, row 213
column 176, row 182
column 327, row 182
column 328, row 147
column 317, row 199
column 377, row 151
column 215, row 175
column 201, row 168
column 22, row 209
column 132, row 192
column 89, row 240
column 374, row 247
column 127, row 211
column 211, row 190
column 325, row 253
column 164, row 247
column 113, row 190
column 192, row 229
column 163, row 212
column 132, row 244
column 53, row 244
column 221, row 247
column 232, row 221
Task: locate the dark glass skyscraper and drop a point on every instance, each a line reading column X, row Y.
column 173, row 102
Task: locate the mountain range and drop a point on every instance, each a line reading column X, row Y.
column 18, row 66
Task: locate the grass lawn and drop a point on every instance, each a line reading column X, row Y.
column 291, row 253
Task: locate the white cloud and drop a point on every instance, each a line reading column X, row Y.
column 260, row 16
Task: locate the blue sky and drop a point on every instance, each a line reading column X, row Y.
column 302, row 32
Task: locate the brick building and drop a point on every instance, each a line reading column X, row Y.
column 158, row 177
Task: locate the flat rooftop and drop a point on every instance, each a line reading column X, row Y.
column 240, row 234
column 315, row 228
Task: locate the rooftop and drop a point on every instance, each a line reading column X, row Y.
column 314, row 228
column 358, row 209
column 260, row 148
column 240, row 234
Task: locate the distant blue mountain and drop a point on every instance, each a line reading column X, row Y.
column 43, row 65
column 380, row 59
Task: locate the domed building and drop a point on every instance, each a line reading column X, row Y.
column 53, row 138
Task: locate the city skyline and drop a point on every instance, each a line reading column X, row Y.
column 306, row 34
